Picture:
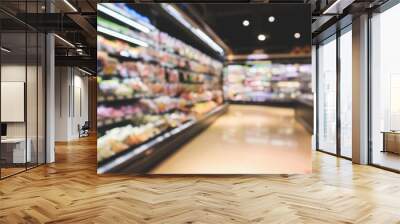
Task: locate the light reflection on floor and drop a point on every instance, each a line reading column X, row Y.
column 246, row 140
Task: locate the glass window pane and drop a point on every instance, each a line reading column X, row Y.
column 385, row 86
column 346, row 94
column 327, row 97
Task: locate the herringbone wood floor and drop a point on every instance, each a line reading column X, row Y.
column 71, row 192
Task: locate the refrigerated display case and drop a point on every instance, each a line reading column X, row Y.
column 153, row 90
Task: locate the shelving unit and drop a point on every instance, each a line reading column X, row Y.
column 264, row 82
column 142, row 157
column 151, row 87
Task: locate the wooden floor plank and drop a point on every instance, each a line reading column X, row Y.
column 70, row 191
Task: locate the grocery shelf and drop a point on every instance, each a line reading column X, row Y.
column 107, row 124
column 283, row 103
column 192, row 82
column 143, row 157
column 137, row 64
column 267, row 82
column 123, row 58
column 179, row 55
column 105, row 100
column 122, row 100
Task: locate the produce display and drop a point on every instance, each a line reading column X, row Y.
column 163, row 49
column 119, row 139
column 144, row 92
column 265, row 82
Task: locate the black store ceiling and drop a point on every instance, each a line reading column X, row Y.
column 226, row 21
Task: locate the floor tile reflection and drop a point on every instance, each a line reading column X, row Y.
column 247, row 139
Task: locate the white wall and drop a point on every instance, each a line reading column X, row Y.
column 61, row 103
column 71, row 102
column 81, row 104
column 12, row 73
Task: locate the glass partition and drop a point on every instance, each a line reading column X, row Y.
column 15, row 150
column 22, row 90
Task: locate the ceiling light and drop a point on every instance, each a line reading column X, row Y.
column 297, row 35
column 271, row 19
column 64, row 40
column 70, row 5
column 177, row 15
column 122, row 18
column 86, row 72
column 5, row 50
column 246, row 23
column 328, row 10
column 122, row 36
column 43, row 7
column 261, row 37
column 199, row 33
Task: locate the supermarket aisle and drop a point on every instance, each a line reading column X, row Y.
column 247, row 139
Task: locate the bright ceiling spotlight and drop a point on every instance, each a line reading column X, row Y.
column 334, row 7
column 84, row 71
column 261, row 37
column 297, row 35
column 271, row 19
column 64, row 40
column 70, row 5
column 5, row 50
column 192, row 27
column 122, row 18
column 246, row 22
column 121, row 36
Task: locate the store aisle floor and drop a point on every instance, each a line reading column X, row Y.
column 246, row 140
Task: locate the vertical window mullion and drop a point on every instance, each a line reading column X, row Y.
column 369, row 81
column 317, row 97
column 37, row 90
column 26, row 86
